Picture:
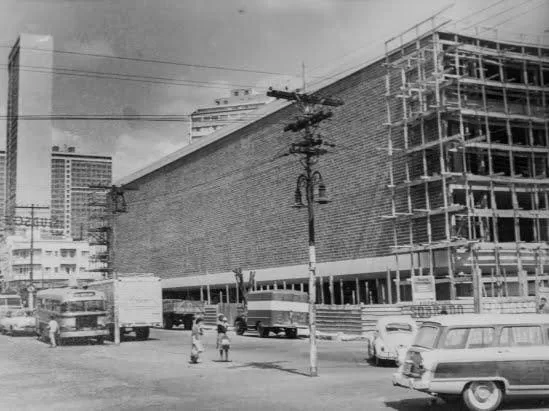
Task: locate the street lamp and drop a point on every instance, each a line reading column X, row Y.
column 307, row 182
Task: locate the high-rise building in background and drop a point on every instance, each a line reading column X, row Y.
column 2, row 182
column 72, row 175
column 229, row 110
column 28, row 137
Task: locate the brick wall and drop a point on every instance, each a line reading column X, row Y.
column 228, row 204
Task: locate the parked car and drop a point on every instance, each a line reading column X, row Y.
column 18, row 322
column 393, row 335
column 479, row 359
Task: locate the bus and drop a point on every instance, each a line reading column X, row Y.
column 10, row 302
column 80, row 313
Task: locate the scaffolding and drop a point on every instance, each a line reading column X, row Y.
column 468, row 145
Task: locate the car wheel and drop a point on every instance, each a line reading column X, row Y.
column 11, row 331
column 482, row 396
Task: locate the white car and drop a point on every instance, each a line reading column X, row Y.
column 391, row 339
column 18, row 322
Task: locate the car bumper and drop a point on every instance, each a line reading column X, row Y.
column 383, row 355
column 400, row 380
column 23, row 330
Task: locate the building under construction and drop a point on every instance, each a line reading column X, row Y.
column 440, row 168
column 467, row 123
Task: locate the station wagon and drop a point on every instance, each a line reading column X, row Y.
column 479, row 358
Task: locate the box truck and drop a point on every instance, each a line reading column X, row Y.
column 139, row 302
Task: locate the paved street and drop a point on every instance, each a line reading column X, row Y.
column 266, row 374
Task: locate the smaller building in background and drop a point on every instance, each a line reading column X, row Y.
column 55, row 261
column 238, row 107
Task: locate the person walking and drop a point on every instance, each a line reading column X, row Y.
column 223, row 341
column 53, row 329
column 196, row 341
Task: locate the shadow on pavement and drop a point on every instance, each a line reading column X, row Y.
column 420, row 404
column 273, row 365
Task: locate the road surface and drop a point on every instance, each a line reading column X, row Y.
column 265, row 374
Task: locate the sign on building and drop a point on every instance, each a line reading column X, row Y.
column 423, row 288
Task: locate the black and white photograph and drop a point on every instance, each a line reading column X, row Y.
column 274, row 205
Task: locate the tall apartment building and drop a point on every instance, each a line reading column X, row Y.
column 72, row 175
column 238, row 107
column 28, row 139
column 2, row 182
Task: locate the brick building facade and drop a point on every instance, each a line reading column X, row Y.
column 226, row 201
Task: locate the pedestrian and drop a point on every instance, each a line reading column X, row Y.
column 53, row 329
column 543, row 307
column 196, row 341
column 223, row 341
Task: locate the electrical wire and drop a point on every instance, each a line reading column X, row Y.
column 495, row 15
column 131, row 77
column 157, row 61
column 521, row 14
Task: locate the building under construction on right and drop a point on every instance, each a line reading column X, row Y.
column 468, row 146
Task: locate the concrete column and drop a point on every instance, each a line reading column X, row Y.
column 227, row 292
column 237, row 294
column 201, row 293
column 389, row 286
column 208, row 294
column 283, row 284
column 341, row 291
column 331, row 286
column 275, row 285
column 301, row 286
column 321, row 281
column 221, row 297
column 379, row 290
column 354, row 297
column 367, row 291
column 357, row 283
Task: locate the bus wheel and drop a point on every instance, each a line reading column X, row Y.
column 240, row 327
column 168, row 322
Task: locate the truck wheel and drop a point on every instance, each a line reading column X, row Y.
column 188, row 324
column 142, row 333
column 263, row 331
column 291, row 332
column 240, row 327
column 168, row 323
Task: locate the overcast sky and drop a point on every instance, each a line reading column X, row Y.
column 255, row 43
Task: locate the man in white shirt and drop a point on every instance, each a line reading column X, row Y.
column 53, row 329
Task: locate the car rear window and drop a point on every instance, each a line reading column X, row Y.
column 520, row 336
column 426, row 336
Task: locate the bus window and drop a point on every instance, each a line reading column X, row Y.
column 89, row 306
column 95, row 305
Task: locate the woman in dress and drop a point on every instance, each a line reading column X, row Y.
column 196, row 340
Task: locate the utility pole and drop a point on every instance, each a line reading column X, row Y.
column 115, row 204
column 31, row 289
column 310, row 148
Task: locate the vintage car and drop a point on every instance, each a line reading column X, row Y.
column 392, row 336
column 479, row 358
column 18, row 322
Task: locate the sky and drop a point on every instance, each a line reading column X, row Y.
column 192, row 52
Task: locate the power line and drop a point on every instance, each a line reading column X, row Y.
column 130, row 77
column 157, row 61
column 521, row 14
column 497, row 14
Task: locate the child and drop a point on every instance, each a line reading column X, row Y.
column 224, row 341
column 53, row 328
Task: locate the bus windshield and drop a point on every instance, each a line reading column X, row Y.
column 79, row 306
